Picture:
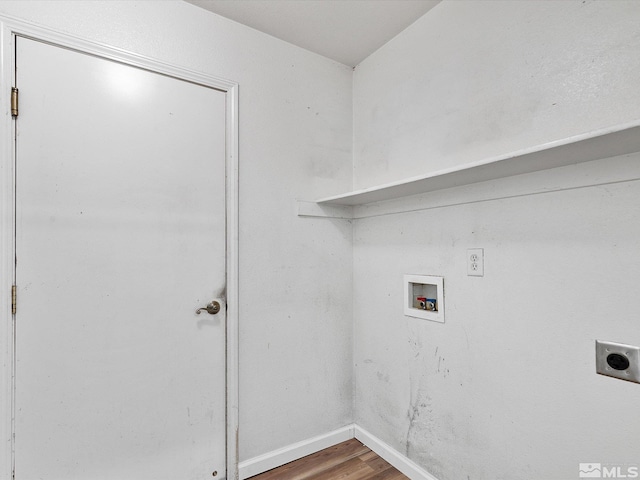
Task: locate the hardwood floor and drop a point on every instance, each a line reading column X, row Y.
column 350, row 460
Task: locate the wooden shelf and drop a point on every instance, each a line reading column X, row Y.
column 611, row 142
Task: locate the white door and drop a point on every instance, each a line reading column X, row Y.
column 120, row 237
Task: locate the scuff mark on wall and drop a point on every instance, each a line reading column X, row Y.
column 420, row 420
column 419, row 436
column 425, row 419
column 422, row 431
column 416, row 346
column 383, row 377
column 441, row 367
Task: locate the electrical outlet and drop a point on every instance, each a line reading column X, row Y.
column 475, row 262
column 618, row 360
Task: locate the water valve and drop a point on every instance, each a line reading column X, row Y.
column 427, row 303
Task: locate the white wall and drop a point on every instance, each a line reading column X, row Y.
column 470, row 80
column 295, row 141
column 506, row 388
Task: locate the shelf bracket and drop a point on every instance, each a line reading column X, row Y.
column 312, row 209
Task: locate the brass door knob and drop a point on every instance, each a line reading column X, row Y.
column 212, row 308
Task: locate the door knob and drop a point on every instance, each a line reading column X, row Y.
column 212, row 308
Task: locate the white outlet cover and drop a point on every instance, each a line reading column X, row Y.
column 631, row 353
column 475, row 262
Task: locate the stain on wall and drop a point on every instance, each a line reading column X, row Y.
column 506, row 387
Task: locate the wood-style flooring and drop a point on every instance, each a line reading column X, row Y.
column 350, row 460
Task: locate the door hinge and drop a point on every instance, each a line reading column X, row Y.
column 14, row 102
column 14, row 299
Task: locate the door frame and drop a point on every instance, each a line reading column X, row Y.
column 10, row 28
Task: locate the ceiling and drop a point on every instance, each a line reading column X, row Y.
column 347, row 31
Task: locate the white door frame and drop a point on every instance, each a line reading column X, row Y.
column 9, row 29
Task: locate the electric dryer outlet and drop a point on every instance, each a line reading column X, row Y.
column 618, row 360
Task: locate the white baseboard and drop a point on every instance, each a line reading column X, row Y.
column 276, row 458
column 287, row 454
column 395, row 458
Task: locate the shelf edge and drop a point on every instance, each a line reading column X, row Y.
column 604, row 143
column 313, row 209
